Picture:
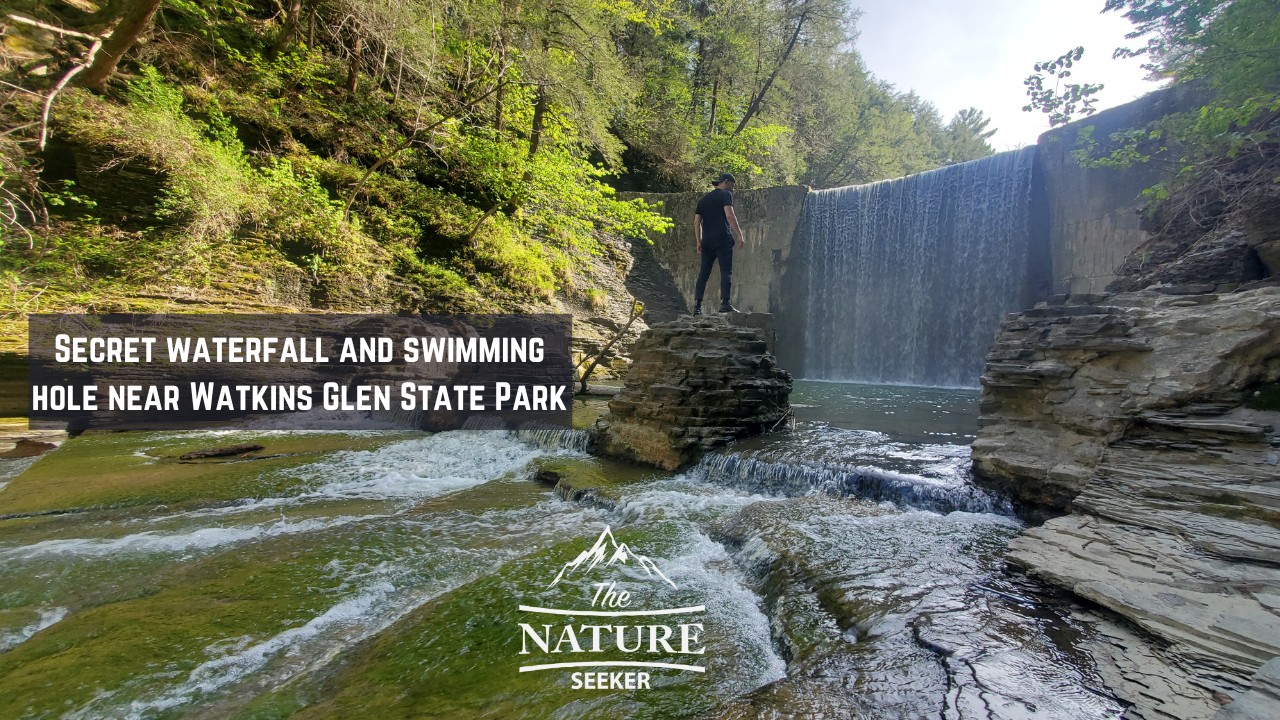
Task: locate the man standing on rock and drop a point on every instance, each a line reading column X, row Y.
column 711, row 227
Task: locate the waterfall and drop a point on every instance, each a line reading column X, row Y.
column 552, row 437
column 908, row 278
column 789, row 477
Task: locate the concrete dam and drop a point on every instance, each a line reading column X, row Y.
column 905, row 281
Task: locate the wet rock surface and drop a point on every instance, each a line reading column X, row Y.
column 954, row 641
column 695, row 384
column 1137, row 416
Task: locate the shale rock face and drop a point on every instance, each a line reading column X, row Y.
column 695, row 384
column 1151, row 420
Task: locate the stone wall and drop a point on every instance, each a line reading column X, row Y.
column 1093, row 214
column 768, row 218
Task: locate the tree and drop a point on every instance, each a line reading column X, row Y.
column 967, row 136
column 1226, row 147
column 289, row 30
column 135, row 18
column 1173, row 30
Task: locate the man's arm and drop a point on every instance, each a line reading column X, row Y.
column 733, row 224
column 697, row 230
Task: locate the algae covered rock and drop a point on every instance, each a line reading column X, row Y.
column 579, row 480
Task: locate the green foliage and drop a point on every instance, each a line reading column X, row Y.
column 568, row 201
column 67, row 197
column 1123, row 148
column 212, row 192
column 1062, row 103
column 302, row 214
column 1230, row 46
column 967, row 136
column 821, row 119
column 596, row 298
column 747, row 154
column 301, row 68
column 471, row 150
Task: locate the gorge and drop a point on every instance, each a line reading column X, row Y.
column 1119, row 457
column 1131, row 410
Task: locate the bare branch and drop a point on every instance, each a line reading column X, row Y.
column 48, row 101
column 52, row 28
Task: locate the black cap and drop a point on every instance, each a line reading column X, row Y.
column 724, row 177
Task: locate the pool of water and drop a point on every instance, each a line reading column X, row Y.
column 843, row 567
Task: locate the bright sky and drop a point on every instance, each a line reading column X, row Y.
column 961, row 53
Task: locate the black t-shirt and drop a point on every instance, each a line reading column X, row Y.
column 715, row 226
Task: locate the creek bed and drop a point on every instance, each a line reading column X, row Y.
column 847, row 567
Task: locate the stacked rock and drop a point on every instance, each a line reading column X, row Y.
column 695, row 384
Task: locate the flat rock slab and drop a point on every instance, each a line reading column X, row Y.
column 1216, row 615
column 1262, row 702
column 1140, row 418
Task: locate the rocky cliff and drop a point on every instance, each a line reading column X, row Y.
column 694, row 384
column 1152, row 419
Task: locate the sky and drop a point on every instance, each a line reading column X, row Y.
column 961, row 53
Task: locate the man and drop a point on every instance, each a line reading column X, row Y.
column 714, row 227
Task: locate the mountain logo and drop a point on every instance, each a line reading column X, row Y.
column 609, row 551
column 616, row 643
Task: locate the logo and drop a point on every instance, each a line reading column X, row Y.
column 628, row 635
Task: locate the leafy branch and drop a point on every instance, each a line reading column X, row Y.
column 1062, row 103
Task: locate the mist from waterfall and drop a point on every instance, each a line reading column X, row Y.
column 908, row 278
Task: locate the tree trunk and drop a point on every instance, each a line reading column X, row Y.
column 756, row 101
column 715, row 96
column 539, row 115
column 695, row 94
column 499, row 96
column 289, row 31
column 637, row 309
column 497, row 107
column 101, row 20
column 133, row 22
column 353, row 72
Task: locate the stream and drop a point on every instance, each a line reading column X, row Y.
column 847, row 567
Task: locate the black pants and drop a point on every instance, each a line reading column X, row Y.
column 710, row 254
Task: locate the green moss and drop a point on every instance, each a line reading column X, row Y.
column 132, row 469
column 507, row 493
column 586, row 412
column 459, row 657
column 275, row 705
column 1225, row 499
column 1241, row 511
column 588, row 479
column 158, row 629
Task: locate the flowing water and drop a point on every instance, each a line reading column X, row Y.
column 848, row 568
column 908, row 278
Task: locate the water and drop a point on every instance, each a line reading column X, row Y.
column 847, row 568
column 908, row 278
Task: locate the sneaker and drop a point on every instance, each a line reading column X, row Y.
column 727, row 308
column 697, row 309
